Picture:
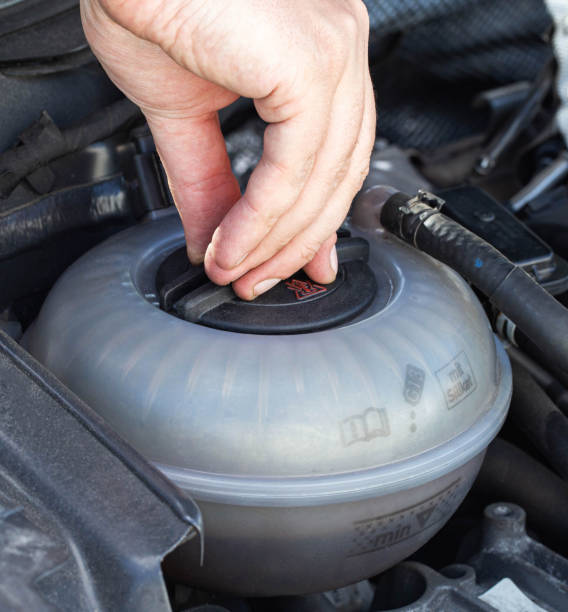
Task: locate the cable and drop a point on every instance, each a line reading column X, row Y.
column 46, row 142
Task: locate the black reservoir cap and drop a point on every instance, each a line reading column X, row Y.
column 296, row 305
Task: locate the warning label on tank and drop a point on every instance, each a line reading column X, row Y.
column 380, row 532
column 413, row 384
column 457, row 380
column 371, row 424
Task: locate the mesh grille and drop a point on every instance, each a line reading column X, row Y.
column 446, row 52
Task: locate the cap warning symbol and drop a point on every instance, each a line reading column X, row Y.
column 304, row 288
column 423, row 516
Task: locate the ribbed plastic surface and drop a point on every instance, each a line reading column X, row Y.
column 390, row 386
column 345, row 449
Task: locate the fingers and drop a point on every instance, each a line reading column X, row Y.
column 313, row 249
column 330, row 169
column 181, row 111
column 305, row 64
column 323, row 267
column 318, row 247
column 252, row 234
column 290, row 149
column 199, row 173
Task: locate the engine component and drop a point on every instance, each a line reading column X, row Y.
column 511, row 475
column 515, row 124
column 45, row 142
column 510, row 571
column 539, row 419
column 485, row 217
column 499, row 568
column 556, row 391
column 510, row 289
column 345, row 448
column 84, row 521
column 546, row 178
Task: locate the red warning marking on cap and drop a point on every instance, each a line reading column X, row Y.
column 304, row 289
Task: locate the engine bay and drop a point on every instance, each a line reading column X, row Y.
column 396, row 439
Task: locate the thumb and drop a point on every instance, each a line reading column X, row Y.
column 202, row 183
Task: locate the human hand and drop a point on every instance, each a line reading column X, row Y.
column 304, row 63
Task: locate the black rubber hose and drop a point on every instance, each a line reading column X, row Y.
column 512, row 291
column 553, row 388
column 39, row 221
column 509, row 474
column 540, row 356
column 535, row 414
column 45, row 142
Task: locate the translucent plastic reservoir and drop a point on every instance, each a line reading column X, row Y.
column 319, row 433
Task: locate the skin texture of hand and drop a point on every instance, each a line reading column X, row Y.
column 304, row 63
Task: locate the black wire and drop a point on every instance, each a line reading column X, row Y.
column 49, row 142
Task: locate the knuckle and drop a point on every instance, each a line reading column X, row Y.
column 259, row 213
column 283, row 102
column 332, row 58
column 362, row 174
column 280, row 241
column 335, row 39
column 308, row 250
column 362, row 14
column 367, row 145
column 350, row 24
column 340, row 33
column 217, row 275
column 341, row 174
column 359, row 175
column 205, row 184
column 296, row 173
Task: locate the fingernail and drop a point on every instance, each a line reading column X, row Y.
column 333, row 260
column 209, row 255
column 264, row 286
column 195, row 257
